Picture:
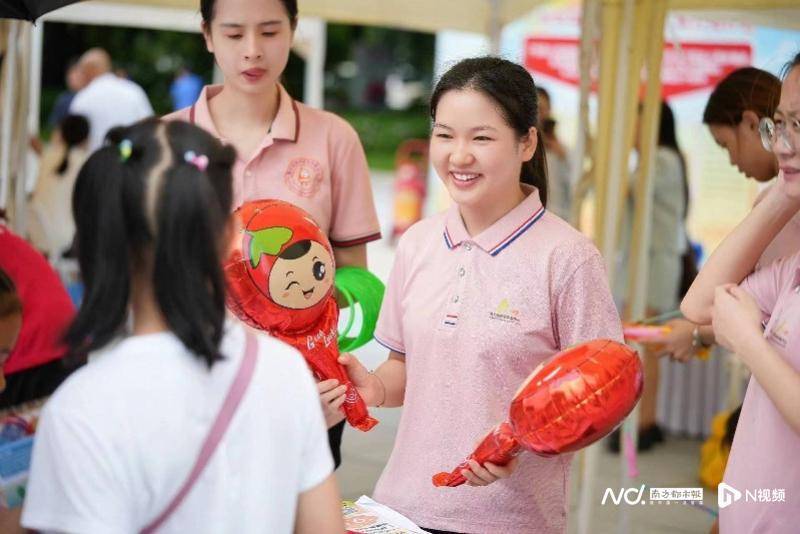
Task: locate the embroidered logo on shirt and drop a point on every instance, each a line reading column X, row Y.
column 504, row 313
column 303, row 176
column 780, row 334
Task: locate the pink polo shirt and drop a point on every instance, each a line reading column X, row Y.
column 310, row 158
column 765, row 455
column 474, row 317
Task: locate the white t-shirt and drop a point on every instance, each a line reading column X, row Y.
column 109, row 101
column 119, row 437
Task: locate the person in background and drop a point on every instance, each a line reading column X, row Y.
column 51, row 227
column 34, row 367
column 733, row 113
column 107, row 100
column 558, row 167
column 10, row 326
column 668, row 242
column 185, row 88
column 75, row 80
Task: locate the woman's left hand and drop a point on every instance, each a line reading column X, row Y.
column 478, row 475
column 736, row 318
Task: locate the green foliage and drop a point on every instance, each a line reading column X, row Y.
column 381, row 132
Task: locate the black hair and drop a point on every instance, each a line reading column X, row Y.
column 745, row 89
column 297, row 250
column 10, row 303
column 792, row 63
column 129, row 218
column 668, row 138
column 512, row 89
column 207, row 11
column 542, row 92
column 74, row 131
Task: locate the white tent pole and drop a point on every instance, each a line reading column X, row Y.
column 26, row 163
column 35, row 89
column 314, row 83
column 495, row 28
column 10, row 69
column 578, row 182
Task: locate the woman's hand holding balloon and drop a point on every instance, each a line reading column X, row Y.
column 478, row 475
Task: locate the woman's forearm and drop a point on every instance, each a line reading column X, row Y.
column 392, row 374
column 738, row 253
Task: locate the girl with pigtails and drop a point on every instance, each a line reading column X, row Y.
column 166, row 428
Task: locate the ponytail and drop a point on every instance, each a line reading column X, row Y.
column 188, row 279
column 534, row 171
column 141, row 203
column 103, row 252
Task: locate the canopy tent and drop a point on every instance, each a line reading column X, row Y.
column 480, row 16
column 628, row 38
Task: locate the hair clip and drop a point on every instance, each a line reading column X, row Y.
column 125, row 149
column 201, row 161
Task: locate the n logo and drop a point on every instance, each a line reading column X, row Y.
column 727, row 495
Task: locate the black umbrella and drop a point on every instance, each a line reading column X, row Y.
column 29, row 9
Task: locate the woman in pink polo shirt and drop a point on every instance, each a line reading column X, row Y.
column 758, row 319
column 478, row 297
column 286, row 150
column 732, row 115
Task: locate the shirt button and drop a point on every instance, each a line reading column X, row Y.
column 468, row 246
column 461, row 271
column 797, row 289
column 248, row 174
column 455, row 299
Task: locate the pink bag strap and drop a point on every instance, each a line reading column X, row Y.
column 215, row 435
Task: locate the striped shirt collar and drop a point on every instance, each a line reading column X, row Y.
column 502, row 233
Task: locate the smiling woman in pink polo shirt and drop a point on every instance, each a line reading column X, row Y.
column 478, row 297
column 758, row 320
column 286, row 150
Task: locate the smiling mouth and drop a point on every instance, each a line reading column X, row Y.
column 464, row 176
column 307, row 293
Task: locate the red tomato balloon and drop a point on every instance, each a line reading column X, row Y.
column 280, row 278
column 567, row 403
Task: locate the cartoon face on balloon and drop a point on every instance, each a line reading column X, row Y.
column 302, row 273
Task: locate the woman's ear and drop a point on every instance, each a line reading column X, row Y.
column 529, row 143
column 205, row 29
column 750, row 120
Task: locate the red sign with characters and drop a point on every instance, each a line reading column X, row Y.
column 686, row 67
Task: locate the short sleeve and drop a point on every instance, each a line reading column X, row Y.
column 73, row 486
column 584, row 308
column 389, row 329
column 354, row 220
column 316, row 463
column 765, row 285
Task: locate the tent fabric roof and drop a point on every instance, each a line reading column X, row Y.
column 419, row 15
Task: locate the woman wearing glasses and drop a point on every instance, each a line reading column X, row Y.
column 757, row 316
column 733, row 113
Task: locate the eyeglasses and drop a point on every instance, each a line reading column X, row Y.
column 788, row 131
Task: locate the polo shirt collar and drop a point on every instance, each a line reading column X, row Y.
column 285, row 126
column 503, row 232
